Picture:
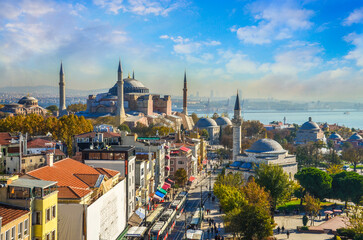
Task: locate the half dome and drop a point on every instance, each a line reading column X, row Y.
column 266, row 145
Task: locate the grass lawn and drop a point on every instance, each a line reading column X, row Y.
column 358, row 167
column 295, row 204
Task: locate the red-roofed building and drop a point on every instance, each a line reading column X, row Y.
column 15, row 221
column 181, row 157
column 90, row 200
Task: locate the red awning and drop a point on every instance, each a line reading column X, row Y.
column 191, row 179
column 166, row 147
column 185, row 149
column 166, row 186
column 167, row 168
column 167, row 157
column 169, row 180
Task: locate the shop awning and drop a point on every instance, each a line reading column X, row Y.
column 157, row 198
column 162, row 191
column 159, row 194
column 169, row 181
column 191, row 179
column 167, row 157
column 167, row 168
column 166, row 186
column 185, row 149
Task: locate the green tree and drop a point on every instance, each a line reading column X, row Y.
column 204, row 133
column 52, row 108
column 124, row 127
column 347, row 186
column 275, row 181
column 353, row 156
column 315, row 181
column 356, row 220
column 181, row 177
column 77, row 107
column 251, row 220
column 215, row 116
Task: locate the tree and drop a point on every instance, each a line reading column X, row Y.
column 315, row 181
column 195, row 118
column 52, row 108
column 348, row 186
column 77, row 107
column 252, row 220
column 356, row 220
column 204, row 133
column 124, row 127
column 353, row 156
column 181, row 176
column 334, row 169
column 215, row 116
column 252, row 128
column 275, row 181
column 312, row 207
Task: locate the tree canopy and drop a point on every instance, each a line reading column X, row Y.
column 315, row 181
column 181, row 176
column 348, row 186
column 76, row 107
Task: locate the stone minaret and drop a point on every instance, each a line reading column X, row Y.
column 62, row 92
column 237, row 123
column 120, row 113
column 185, row 94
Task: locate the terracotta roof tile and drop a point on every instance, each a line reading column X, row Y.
column 10, row 213
column 5, row 138
column 93, row 134
column 89, row 179
column 65, row 172
column 72, row 193
column 38, row 143
column 108, row 172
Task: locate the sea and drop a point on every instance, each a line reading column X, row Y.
column 347, row 118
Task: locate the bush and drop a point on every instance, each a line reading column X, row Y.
column 346, row 232
column 358, row 236
column 337, row 238
column 304, row 228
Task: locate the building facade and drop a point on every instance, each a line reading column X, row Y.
column 309, row 132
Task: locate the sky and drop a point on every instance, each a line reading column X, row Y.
column 283, row 49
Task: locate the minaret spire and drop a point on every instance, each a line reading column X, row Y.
column 62, row 92
column 185, row 94
column 133, row 74
column 237, row 127
column 120, row 110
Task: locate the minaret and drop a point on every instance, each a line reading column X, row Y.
column 120, row 113
column 185, row 94
column 237, row 124
column 62, row 92
column 133, row 74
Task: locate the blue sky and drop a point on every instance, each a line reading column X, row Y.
column 298, row 50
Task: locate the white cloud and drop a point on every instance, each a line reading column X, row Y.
column 276, row 21
column 139, row 7
column 357, row 53
column 355, row 17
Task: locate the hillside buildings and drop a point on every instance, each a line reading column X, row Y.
column 26, row 105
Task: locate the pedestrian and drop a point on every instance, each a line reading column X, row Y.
column 208, row 232
column 287, row 234
column 220, row 210
column 278, row 230
column 319, row 215
column 283, row 229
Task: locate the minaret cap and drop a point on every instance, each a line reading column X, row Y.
column 185, row 75
column 119, row 66
column 61, row 69
column 237, row 105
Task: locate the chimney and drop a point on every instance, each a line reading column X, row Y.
column 50, row 159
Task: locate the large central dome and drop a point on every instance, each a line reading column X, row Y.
column 266, row 146
column 130, row 86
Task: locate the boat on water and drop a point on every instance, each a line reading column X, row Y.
column 346, row 113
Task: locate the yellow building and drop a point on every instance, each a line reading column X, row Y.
column 15, row 223
column 40, row 198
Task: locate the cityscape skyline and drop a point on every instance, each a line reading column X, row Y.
column 253, row 46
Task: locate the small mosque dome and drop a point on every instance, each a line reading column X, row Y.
column 356, row 136
column 206, row 122
column 266, row 145
column 335, row 136
column 310, row 125
column 223, row 121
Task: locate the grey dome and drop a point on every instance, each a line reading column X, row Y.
column 26, row 100
column 206, row 122
column 335, row 136
column 310, row 125
column 130, row 86
column 266, row 145
column 222, row 121
column 356, row 136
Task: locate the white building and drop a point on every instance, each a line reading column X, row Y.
column 263, row 151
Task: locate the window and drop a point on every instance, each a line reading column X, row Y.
column 7, row 235
column 13, row 233
column 54, row 214
column 37, row 218
column 180, row 162
column 172, row 162
column 2, row 236
column 26, row 226
column 48, row 236
column 47, row 215
column 20, row 230
column 172, row 169
column 53, row 235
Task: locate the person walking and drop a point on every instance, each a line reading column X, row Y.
column 287, row 234
column 278, row 230
column 283, row 229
